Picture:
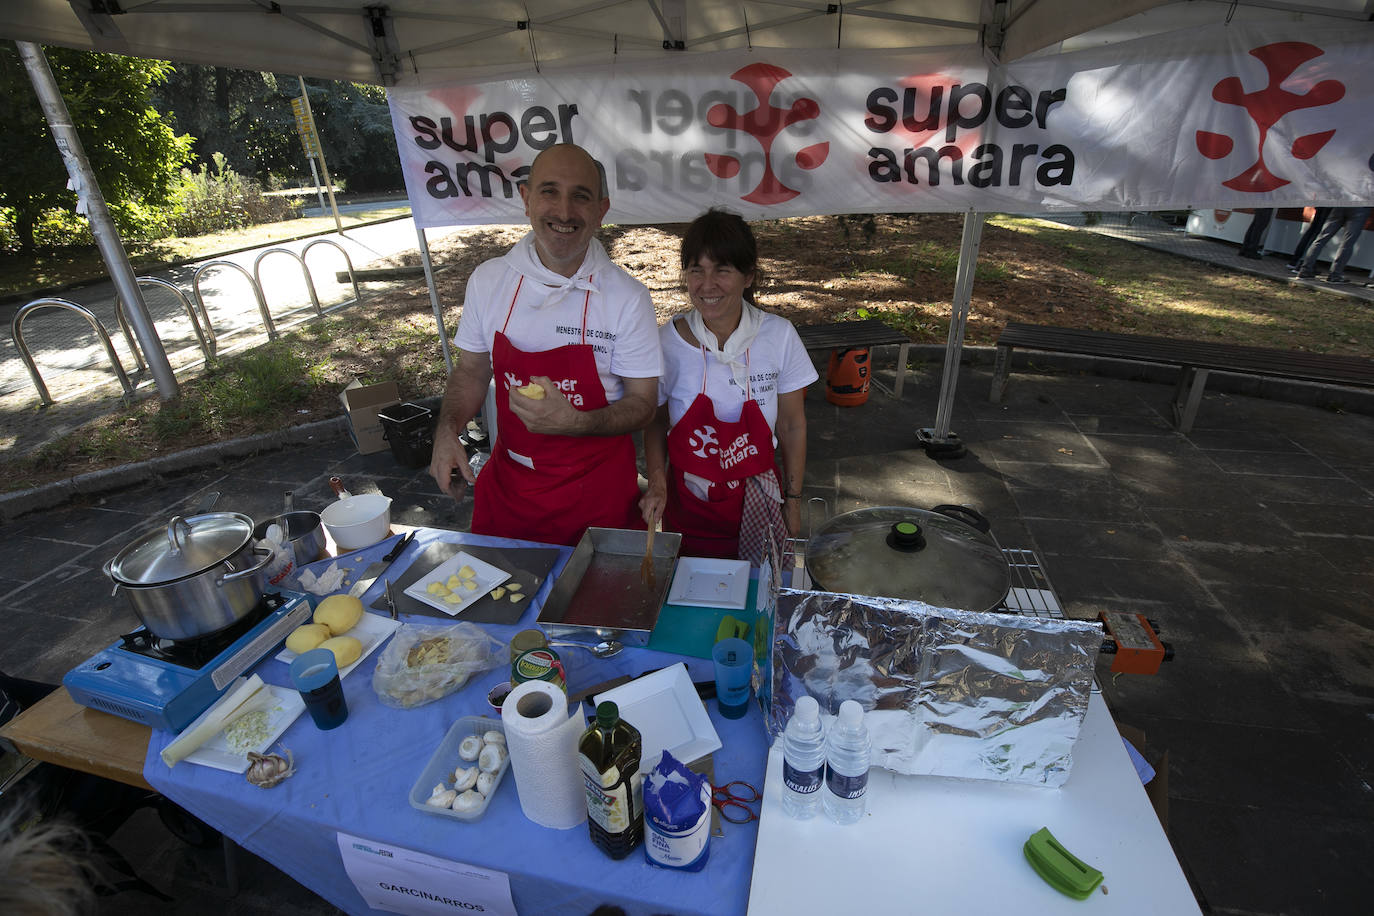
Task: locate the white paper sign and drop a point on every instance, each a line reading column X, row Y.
column 1230, row 116
column 405, row 881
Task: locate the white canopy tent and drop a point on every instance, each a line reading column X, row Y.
column 419, row 44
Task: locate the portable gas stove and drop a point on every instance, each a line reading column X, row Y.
column 165, row 683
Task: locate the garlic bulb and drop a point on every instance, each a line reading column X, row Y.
column 266, row 770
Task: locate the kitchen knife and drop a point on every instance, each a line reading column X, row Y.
column 376, row 569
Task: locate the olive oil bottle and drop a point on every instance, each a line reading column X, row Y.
column 609, row 753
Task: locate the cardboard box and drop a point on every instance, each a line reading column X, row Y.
column 1157, row 789
column 361, row 404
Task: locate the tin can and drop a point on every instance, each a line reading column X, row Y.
column 539, row 665
column 526, row 640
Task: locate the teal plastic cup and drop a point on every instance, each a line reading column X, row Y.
column 734, row 661
column 315, row 675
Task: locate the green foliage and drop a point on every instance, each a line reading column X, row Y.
column 133, row 151
column 215, row 200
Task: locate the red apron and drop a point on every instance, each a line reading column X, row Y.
column 726, row 454
column 552, row 488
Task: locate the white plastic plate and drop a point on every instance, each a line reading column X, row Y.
column 708, row 582
column 286, row 706
column 664, row 706
column 372, row 630
column 487, row 578
column 445, row 760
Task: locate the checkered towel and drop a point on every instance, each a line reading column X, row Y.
column 761, row 528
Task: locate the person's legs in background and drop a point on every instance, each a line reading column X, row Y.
column 1333, row 224
column 1253, row 245
column 1354, row 226
column 1319, row 215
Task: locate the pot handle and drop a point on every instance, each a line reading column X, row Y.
column 967, row 515
column 811, row 524
column 173, row 530
column 245, row 573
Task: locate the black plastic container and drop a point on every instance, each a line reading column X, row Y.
column 409, row 428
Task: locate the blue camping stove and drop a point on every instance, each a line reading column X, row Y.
column 164, row 683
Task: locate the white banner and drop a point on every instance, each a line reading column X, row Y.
column 1218, row 117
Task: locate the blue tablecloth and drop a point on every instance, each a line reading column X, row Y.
column 356, row 779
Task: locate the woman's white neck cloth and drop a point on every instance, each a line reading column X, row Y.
column 733, row 353
column 524, row 260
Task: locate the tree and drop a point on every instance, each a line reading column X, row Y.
column 135, row 154
column 247, row 116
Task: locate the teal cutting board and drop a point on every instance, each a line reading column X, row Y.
column 688, row 629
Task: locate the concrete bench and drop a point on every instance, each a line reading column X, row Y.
column 849, row 335
column 1196, row 360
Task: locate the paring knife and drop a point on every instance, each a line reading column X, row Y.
column 376, row 569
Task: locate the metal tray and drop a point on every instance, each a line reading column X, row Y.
column 599, row 594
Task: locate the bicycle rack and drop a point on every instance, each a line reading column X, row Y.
column 357, row 295
column 206, row 347
column 17, row 329
column 305, row 271
column 252, row 284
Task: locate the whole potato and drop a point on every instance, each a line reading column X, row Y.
column 307, row 636
column 340, row 613
column 346, row 650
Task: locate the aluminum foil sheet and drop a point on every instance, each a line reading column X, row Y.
column 947, row 692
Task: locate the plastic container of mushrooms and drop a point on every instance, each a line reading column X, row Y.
column 465, row 770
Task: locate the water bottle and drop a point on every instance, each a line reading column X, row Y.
column 847, row 752
column 803, row 760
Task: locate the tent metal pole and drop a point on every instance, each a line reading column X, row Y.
column 939, row 442
column 434, row 297
column 98, row 214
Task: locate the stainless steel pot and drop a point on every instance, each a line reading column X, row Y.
column 945, row 556
column 193, row 578
column 304, row 531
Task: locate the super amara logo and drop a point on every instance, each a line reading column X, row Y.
column 922, row 110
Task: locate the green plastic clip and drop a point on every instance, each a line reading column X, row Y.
column 1061, row 869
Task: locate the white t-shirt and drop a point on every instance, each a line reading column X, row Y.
column 620, row 326
column 778, row 363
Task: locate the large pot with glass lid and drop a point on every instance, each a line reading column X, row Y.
column 194, row 577
column 945, row 556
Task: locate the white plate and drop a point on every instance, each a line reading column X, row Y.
column 286, row 706
column 372, row 630
column 487, row 578
column 708, row 582
column 664, row 706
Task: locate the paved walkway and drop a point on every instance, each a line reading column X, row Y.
column 1249, row 540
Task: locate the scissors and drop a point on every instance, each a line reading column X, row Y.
column 733, row 800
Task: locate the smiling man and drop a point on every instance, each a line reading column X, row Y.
column 573, row 345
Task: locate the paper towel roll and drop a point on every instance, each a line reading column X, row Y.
column 542, row 740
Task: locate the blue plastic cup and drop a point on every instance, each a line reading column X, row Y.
column 734, row 661
column 316, row 676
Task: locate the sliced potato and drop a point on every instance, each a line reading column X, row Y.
column 532, row 391
column 470, row 585
column 451, row 598
column 346, row 649
column 516, row 597
column 498, row 593
column 514, row 587
column 467, row 572
column 453, row 582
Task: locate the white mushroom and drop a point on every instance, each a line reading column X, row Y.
column 442, row 799
column 486, row 782
column 464, row 778
column 470, row 748
column 468, row 802
column 494, row 737
column 493, row 755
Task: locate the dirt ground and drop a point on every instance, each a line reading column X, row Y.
column 900, row 268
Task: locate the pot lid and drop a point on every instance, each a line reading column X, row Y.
column 899, row 552
column 186, row 547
